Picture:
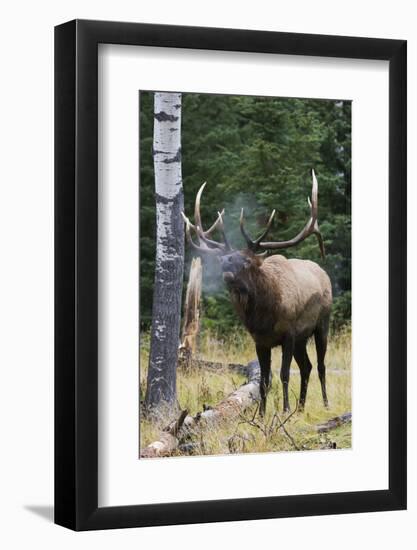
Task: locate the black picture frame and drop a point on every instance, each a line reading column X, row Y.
column 76, row 272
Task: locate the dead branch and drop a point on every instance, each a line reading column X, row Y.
column 334, row 422
column 187, row 360
column 286, row 432
column 268, row 429
column 167, row 442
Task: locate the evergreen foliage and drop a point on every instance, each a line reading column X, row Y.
column 257, row 152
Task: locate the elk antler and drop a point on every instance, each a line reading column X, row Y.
column 311, row 227
column 254, row 244
column 204, row 244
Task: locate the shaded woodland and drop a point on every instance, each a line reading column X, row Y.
column 256, row 153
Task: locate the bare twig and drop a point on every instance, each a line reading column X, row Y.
column 282, row 424
column 286, row 432
column 275, row 424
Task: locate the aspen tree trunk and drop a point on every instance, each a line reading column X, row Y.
column 166, row 312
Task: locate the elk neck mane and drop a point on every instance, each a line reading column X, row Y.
column 257, row 291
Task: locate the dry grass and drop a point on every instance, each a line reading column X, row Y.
column 197, row 388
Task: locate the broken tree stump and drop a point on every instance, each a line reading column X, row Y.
column 191, row 324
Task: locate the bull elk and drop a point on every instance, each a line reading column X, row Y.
column 281, row 302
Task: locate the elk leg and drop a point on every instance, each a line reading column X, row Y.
column 287, row 353
column 264, row 357
column 303, row 361
column 320, row 337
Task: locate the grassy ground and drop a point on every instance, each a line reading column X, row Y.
column 198, row 388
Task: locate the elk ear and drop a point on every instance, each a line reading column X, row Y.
column 259, row 258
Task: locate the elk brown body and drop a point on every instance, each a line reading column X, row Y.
column 282, row 302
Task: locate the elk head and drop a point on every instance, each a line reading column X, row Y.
column 236, row 262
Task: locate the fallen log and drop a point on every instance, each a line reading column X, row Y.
column 167, row 441
column 187, row 361
column 230, row 407
column 235, row 403
column 334, row 422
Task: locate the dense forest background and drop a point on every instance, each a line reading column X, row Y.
column 257, row 153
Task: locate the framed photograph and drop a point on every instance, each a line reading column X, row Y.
column 230, row 255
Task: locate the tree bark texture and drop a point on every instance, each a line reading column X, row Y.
column 169, row 265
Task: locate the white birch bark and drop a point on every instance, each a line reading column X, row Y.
column 166, row 313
